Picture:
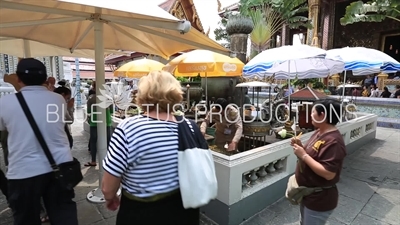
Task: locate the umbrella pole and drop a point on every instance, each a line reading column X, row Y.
column 344, row 85
column 78, row 84
column 290, row 92
column 27, row 49
column 96, row 195
column 207, row 91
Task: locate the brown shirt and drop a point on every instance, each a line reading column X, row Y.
column 329, row 150
column 229, row 127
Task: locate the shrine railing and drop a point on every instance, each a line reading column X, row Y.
column 245, row 173
column 5, row 90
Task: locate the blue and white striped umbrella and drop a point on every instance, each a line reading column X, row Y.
column 289, row 62
column 365, row 61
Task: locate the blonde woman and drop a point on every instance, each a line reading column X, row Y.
column 143, row 159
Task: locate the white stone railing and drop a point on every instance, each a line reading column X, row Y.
column 245, row 173
column 6, row 89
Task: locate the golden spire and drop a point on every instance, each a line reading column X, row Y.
column 219, row 6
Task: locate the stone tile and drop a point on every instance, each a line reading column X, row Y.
column 81, row 192
column 374, row 144
column 290, row 216
column 111, row 220
column 101, row 222
column 90, row 176
column 385, row 133
column 368, row 169
column 383, row 208
column 361, row 152
column 88, row 213
column 387, row 153
column 347, row 209
column 391, row 146
column 105, row 212
column 204, row 220
column 6, row 217
column 394, row 174
column 390, row 189
column 333, row 221
column 355, row 189
column 362, row 219
column 261, row 218
column 281, row 206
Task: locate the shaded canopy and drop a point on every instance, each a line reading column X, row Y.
column 128, row 26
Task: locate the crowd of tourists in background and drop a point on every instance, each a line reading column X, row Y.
column 369, row 88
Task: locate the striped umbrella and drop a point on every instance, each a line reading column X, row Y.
column 365, row 61
column 290, row 62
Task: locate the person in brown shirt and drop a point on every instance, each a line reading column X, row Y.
column 320, row 163
column 228, row 124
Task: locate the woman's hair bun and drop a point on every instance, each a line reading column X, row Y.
column 62, row 83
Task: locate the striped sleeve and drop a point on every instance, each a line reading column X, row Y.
column 116, row 160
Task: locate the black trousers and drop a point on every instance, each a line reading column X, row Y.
column 168, row 211
column 24, row 200
column 3, row 184
column 93, row 141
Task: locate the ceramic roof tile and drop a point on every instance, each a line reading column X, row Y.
column 167, row 5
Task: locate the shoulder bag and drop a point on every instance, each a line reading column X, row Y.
column 197, row 179
column 295, row 193
column 67, row 174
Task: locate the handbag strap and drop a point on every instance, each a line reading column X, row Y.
column 36, row 130
column 195, row 139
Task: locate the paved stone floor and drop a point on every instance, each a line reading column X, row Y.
column 369, row 188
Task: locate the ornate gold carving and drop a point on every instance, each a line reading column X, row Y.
column 335, row 79
column 179, row 12
column 219, row 6
column 381, row 78
column 208, row 31
column 313, row 15
column 391, row 82
column 256, row 128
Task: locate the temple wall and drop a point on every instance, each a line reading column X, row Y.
column 54, row 65
column 360, row 34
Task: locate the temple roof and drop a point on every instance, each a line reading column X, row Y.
column 167, row 5
column 307, row 94
column 181, row 9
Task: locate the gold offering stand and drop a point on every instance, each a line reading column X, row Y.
column 255, row 126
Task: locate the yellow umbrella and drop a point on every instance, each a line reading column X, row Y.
column 207, row 63
column 138, row 68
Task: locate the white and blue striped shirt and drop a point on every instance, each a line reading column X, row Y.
column 144, row 152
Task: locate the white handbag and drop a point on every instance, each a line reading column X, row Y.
column 196, row 170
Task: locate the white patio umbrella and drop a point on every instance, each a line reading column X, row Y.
column 364, row 61
column 23, row 48
column 290, row 62
column 99, row 25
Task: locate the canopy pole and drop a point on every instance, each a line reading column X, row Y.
column 344, row 85
column 27, row 49
column 78, row 85
column 289, row 92
column 96, row 195
column 207, row 92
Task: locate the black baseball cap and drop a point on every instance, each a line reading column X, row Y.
column 31, row 66
column 222, row 102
